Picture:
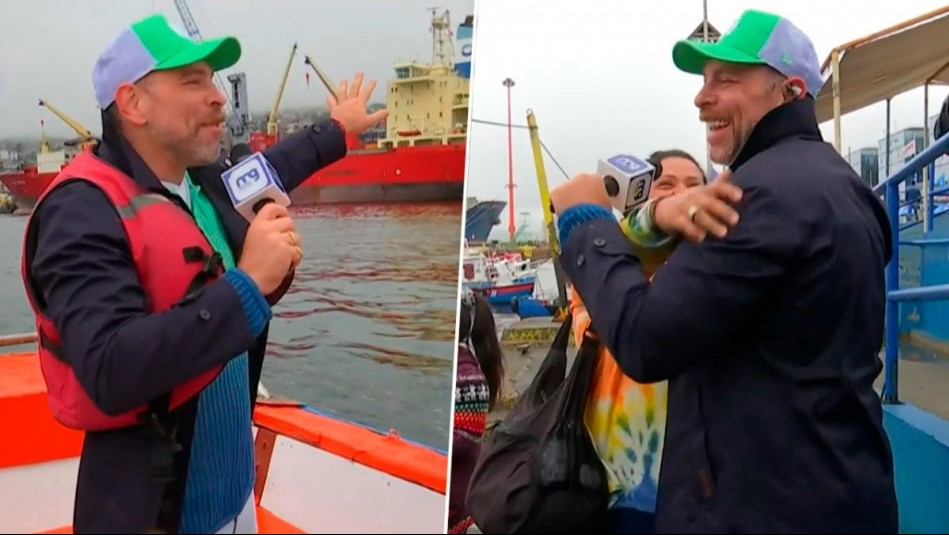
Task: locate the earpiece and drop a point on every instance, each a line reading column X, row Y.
column 794, row 91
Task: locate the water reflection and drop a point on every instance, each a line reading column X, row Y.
column 367, row 329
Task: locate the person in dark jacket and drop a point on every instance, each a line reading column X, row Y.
column 161, row 127
column 769, row 335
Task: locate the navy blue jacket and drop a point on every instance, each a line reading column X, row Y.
column 770, row 341
column 81, row 268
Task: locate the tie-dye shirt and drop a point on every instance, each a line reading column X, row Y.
column 626, row 419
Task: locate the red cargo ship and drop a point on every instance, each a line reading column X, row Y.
column 28, row 183
column 421, row 154
column 26, row 186
column 421, row 157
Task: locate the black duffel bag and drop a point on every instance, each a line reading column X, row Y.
column 539, row 471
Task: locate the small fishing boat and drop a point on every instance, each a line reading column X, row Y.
column 499, row 278
column 316, row 472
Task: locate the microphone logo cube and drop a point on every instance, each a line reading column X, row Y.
column 627, row 164
column 249, row 177
column 628, row 180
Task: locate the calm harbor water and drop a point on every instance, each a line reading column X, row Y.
column 367, row 330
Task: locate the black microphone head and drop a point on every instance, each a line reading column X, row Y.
column 612, row 186
column 240, row 151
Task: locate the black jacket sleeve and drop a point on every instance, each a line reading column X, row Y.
column 695, row 302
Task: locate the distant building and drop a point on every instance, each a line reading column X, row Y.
column 865, row 162
column 904, row 145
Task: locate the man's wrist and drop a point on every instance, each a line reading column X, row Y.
column 577, row 215
column 339, row 125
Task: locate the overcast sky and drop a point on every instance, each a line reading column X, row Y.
column 600, row 79
column 49, row 48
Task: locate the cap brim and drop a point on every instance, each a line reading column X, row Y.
column 218, row 53
column 691, row 56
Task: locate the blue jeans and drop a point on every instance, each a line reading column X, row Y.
column 629, row 520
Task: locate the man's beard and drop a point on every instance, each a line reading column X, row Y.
column 187, row 150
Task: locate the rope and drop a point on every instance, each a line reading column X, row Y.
column 505, row 125
column 555, row 160
column 494, row 123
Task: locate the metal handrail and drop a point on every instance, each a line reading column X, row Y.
column 17, row 339
column 929, row 155
column 894, row 295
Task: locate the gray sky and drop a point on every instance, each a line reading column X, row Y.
column 565, row 58
column 50, row 51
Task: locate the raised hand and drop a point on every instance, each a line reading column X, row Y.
column 350, row 109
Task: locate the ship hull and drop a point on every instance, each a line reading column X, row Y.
column 481, row 218
column 411, row 174
column 313, row 194
column 26, row 189
column 416, row 174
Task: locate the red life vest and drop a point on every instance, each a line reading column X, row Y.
column 172, row 257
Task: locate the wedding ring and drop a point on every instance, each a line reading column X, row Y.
column 692, row 211
column 293, row 239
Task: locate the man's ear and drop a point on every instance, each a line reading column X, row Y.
column 795, row 89
column 129, row 104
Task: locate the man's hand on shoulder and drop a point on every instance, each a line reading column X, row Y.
column 350, row 109
column 700, row 211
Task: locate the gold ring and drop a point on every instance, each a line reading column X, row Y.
column 293, row 239
column 692, row 211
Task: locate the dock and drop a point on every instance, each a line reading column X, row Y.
column 525, row 344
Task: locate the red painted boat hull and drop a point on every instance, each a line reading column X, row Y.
column 411, row 174
column 26, row 188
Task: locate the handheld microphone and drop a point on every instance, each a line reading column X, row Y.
column 251, row 182
column 627, row 180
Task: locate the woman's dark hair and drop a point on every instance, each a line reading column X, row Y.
column 483, row 336
column 661, row 155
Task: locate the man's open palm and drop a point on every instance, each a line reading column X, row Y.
column 350, row 109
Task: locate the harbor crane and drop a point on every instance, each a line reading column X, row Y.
column 272, row 120
column 85, row 139
column 236, row 103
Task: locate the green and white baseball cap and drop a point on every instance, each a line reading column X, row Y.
column 758, row 38
column 152, row 44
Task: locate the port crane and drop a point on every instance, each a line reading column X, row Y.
column 236, row 102
column 85, row 140
column 327, row 81
column 536, row 146
column 272, row 120
column 258, row 140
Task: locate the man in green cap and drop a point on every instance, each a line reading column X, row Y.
column 768, row 321
column 152, row 294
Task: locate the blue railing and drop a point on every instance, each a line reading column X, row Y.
column 894, row 296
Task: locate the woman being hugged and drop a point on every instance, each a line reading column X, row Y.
column 626, row 419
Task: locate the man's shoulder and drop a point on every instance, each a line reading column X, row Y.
column 791, row 170
column 75, row 196
column 75, row 211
